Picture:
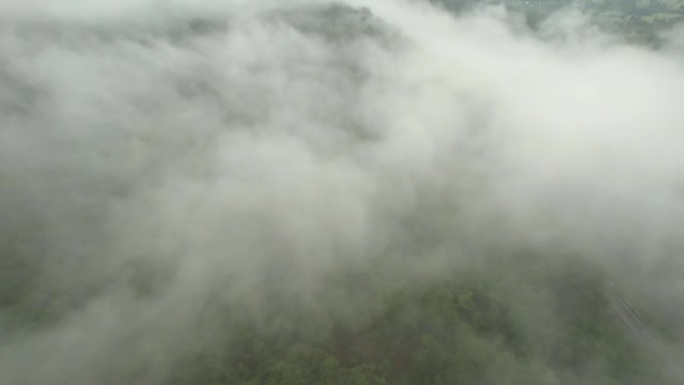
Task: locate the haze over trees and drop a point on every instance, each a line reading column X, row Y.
column 345, row 193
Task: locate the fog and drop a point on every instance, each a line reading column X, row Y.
column 158, row 156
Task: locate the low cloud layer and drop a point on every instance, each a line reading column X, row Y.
column 155, row 157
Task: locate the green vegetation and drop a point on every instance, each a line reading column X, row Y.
column 516, row 318
column 531, row 321
column 640, row 21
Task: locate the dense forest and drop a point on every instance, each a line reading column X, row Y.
column 639, row 21
column 533, row 318
column 471, row 327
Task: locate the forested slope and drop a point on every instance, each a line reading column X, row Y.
column 553, row 325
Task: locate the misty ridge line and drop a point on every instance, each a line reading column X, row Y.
column 234, row 153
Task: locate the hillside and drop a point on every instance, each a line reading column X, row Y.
column 556, row 327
